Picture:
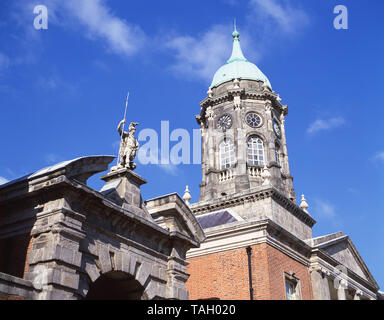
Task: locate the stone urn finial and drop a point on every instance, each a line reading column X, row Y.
column 303, row 204
column 266, row 175
column 236, row 84
column 187, row 195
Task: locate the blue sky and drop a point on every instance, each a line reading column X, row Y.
column 62, row 92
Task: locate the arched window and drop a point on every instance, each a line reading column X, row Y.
column 226, row 154
column 255, row 151
column 277, row 153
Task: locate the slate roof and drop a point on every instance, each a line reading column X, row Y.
column 216, row 219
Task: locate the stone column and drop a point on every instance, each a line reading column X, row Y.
column 211, row 149
column 284, row 162
column 55, row 258
column 177, row 276
column 341, row 290
column 203, row 152
column 320, row 285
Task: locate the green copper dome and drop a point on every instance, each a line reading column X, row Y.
column 237, row 67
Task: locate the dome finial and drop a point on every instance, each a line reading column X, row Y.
column 237, row 54
column 237, row 66
column 235, row 33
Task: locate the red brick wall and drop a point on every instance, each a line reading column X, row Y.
column 4, row 296
column 260, row 275
column 29, row 248
column 224, row 275
column 221, row 275
column 278, row 264
column 13, row 254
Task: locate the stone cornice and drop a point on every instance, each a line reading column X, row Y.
column 252, row 94
column 329, row 263
column 247, row 233
column 253, row 195
column 325, row 269
column 293, row 208
column 319, row 251
column 105, row 208
column 87, row 195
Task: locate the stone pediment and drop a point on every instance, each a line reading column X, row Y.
column 341, row 248
column 171, row 213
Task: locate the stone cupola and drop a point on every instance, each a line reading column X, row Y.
column 243, row 134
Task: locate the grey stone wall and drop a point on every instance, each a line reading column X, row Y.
column 80, row 235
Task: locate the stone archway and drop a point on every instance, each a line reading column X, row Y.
column 116, row 285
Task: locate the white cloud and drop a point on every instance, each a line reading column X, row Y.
column 202, row 55
column 101, row 65
column 170, row 168
column 101, row 23
column 325, row 124
column 353, row 191
column 4, row 61
column 53, row 81
column 323, row 208
column 379, row 156
column 52, row 158
column 3, row 180
column 152, row 156
column 91, row 18
column 279, row 16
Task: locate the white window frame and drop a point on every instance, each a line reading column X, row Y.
column 227, row 158
column 253, row 152
column 295, row 282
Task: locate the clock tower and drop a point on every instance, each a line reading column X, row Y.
column 243, row 134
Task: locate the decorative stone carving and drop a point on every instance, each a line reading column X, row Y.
column 321, row 270
column 236, row 102
column 128, row 147
column 266, row 175
column 358, row 295
column 187, row 195
column 236, row 84
column 209, row 93
column 303, row 204
column 268, row 105
column 209, row 114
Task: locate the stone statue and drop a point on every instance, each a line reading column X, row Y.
column 128, row 146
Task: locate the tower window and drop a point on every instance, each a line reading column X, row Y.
column 255, row 151
column 227, row 154
column 253, row 119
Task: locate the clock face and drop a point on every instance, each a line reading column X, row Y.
column 276, row 128
column 253, row 119
column 224, row 122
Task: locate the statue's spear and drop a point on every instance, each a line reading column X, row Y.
column 122, row 132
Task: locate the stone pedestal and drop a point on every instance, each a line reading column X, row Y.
column 123, row 187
